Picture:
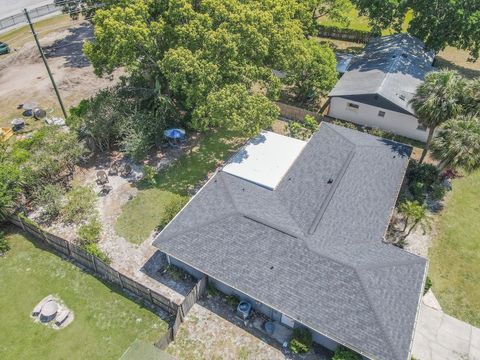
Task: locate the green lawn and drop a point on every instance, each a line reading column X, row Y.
column 358, row 22
column 455, row 254
column 141, row 215
column 105, row 324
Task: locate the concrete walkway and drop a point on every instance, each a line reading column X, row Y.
column 442, row 337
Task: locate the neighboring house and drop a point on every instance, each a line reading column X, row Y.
column 378, row 85
column 297, row 229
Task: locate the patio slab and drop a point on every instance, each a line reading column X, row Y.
column 442, row 337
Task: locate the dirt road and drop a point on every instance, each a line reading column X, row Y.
column 23, row 76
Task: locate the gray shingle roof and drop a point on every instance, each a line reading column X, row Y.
column 312, row 249
column 390, row 66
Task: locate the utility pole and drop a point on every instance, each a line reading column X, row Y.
column 45, row 62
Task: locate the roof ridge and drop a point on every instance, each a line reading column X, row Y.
column 377, row 317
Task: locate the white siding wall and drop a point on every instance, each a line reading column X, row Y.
column 367, row 115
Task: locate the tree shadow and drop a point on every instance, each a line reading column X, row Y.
column 71, row 46
column 447, row 64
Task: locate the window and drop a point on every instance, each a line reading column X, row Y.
column 421, row 127
column 352, row 106
column 381, row 113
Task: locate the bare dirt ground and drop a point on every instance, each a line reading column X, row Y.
column 23, row 76
column 212, row 331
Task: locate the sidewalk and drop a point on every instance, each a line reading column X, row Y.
column 442, row 337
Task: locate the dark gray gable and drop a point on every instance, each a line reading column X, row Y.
column 377, row 101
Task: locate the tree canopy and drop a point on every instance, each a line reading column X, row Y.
column 438, row 99
column 209, row 50
column 458, row 144
column 438, row 23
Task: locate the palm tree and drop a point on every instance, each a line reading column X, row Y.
column 437, row 99
column 414, row 214
column 458, row 144
column 472, row 97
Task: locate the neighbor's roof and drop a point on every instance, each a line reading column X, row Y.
column 312, row 248
column 390, row 66
column 265, row 159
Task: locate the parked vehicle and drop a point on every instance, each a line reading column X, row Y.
column 4, row 48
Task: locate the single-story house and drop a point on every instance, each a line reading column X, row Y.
column 378, row 85
column 296, row 228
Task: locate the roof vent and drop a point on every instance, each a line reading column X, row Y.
column 330, row 181
column 402, row 97
column 404, row 55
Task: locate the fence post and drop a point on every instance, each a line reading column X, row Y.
column 21, row 222
column 121, row 281
column 94, row 263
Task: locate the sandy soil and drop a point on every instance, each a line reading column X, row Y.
column 212, row 331
column 141, row 262
column 23, row 76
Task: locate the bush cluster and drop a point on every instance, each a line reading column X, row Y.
column 89, row 233
column 49, row 200
column 303, row 130
column 424, row 181
column 301, row 341
column 342, row 353
column 79, row 204
column 428, row 285
column 94, row 250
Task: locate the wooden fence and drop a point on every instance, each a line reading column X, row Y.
column 345, row 34
column 294, row 113
column 107, row 273
column 192, row 297
column 95, row 265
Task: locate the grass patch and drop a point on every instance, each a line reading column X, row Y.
column 455, row 253
column 20, row 36
column 141, row 215
column 105, row 324
column 358, row 22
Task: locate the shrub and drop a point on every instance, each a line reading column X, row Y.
column 342, row 353
column 94, row 250
column 232, row 300
column 90, row 232
column 345, row 124
column 295, row 130
column 172, row 209
column 437, row 192
column 417, row 189
column 425, row 173
column 149, row 174
column 212, row 290
column 310, row 123
column 301, row 341
column 428, row 285
column 49, row 199
column 176, row 273
column 4, row 245
column 79, row 204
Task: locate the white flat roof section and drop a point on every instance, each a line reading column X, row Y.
column 265, row 159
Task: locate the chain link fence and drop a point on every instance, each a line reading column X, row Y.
column 38, row 12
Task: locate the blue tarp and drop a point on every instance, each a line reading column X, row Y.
column 174, row 133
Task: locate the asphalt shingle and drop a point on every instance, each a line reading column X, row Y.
column 312, row 248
